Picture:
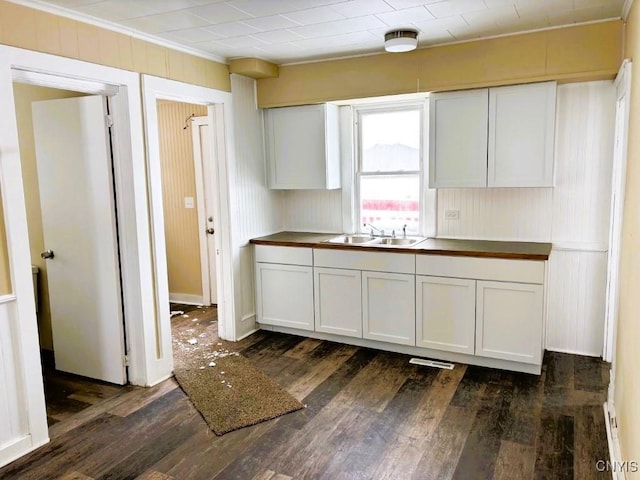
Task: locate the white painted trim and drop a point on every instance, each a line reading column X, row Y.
column 580, row 247
column 347, row 172
column 201, row 208
column 220, row 118
column 14, row 450
column 7, row 299
column 131, row 190
column 248, row 317
column 618, row 186
column 573, row 352
column 626, row 8
column 114, row 27
column 186, row 298
column 53, row 81
column 613, row 441
column 248, row 334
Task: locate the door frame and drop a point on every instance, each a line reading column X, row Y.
column 204, row 183
column 219, row 113
column 123, row 87
column 618, row 184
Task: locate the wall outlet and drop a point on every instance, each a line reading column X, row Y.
column 189, row 202
column 452, row 214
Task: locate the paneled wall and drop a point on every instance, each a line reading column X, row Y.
column 13, row 419
column 574, row 216
column 496, row 213
column 255, row 210
column 33, row 29
column 25, row 95
column 178, row 183
column 313, row 210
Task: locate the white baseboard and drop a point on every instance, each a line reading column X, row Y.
column 574, row 352
column 615, row 457
column 185, row 298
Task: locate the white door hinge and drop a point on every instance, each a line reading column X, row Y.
column 108, row 120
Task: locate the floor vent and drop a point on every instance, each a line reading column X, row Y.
column 432, row 363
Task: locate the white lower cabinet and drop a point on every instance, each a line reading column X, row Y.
column 338, row 301
column 388, row 307
column 284, row 295
column 509, row 321
column 446, row 313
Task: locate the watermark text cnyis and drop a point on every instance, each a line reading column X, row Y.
column 619, row 467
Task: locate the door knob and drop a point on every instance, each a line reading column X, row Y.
column 47, row 254
column 210, row 231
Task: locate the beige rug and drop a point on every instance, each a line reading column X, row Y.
column 232, row 394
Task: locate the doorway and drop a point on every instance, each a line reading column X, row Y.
column 188, row 215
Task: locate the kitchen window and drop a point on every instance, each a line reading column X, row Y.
column 389, row 167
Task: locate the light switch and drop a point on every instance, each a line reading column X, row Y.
column 189, row 202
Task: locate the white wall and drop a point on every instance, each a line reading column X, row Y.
column 574, row 215
column 313, row 210
column 256, row 210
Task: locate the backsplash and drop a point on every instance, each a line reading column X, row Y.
column 496, row 213
column 312, row 210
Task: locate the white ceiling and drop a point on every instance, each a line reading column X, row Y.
column 286, row 31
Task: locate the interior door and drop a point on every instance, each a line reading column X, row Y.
column 205, row 203
column 78, row 220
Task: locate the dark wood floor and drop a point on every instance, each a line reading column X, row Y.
column 368, row 415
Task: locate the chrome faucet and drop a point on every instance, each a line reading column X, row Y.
column 404, row 231
column 374, row 228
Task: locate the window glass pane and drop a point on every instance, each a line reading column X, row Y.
column 390, row 141
column 389, row 202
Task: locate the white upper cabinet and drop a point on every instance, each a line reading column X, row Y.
column 458, row 139
column 521, row 127
column 302, row 147
column 495, row 137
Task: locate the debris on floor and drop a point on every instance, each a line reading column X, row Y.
column 175, row 313
column 192, row 341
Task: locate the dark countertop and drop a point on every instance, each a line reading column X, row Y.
column 431, row 246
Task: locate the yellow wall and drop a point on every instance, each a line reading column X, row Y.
column 24, row 96
column 5, row 271
column 627, row 385
column 36, row 30
column 178, row 182
column 586, row 52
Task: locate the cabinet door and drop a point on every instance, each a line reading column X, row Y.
column 302, row 147
column 284, row 295
column 388, row 307
column 338, row 301
column 446, row 314
column 458, row 139
column 509, row 321
column 521, row 132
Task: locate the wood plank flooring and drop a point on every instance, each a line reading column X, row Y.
column 368, row 415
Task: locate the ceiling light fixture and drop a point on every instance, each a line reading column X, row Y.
column 400, row 40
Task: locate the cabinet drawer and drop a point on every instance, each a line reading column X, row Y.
column 359, row 260
column 285, row 255
column 497, row 269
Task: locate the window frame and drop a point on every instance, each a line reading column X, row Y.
column 421, row 106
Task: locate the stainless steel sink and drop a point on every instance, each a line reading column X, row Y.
column 367, row 240
column 356, row 238
column 401, row 242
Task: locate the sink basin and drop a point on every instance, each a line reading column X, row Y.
column 400, row 242
column 367, row 240
column 359, row 239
